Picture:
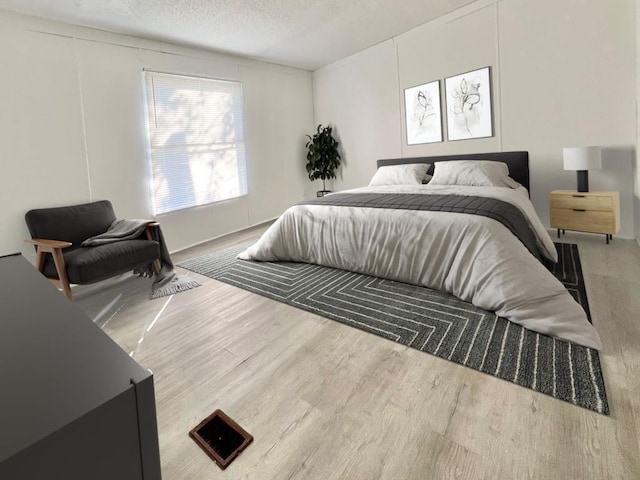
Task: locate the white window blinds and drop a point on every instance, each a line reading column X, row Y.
column 197, row 140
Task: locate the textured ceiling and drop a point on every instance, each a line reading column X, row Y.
column 300, row 33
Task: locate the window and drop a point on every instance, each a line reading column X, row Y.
column 196, row 140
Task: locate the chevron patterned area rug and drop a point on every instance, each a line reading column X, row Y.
column 431, row 321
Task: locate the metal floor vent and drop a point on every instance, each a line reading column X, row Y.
column 221, row 438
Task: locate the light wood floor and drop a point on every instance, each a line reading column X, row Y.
column 326, row 401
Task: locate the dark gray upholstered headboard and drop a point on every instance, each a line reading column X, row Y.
column 518, row 162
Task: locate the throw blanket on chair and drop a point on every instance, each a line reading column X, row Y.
column 167, row 281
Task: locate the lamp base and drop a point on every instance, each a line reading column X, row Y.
column 583, row 180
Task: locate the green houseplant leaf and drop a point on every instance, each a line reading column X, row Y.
column 323, row 158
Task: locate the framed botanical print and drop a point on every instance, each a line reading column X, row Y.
column 468, row 100
column 423, row 113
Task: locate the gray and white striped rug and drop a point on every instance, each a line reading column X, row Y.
column 431, row 321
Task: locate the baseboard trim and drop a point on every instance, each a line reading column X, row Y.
column 255, row 225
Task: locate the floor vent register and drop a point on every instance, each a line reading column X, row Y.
column 221, row 438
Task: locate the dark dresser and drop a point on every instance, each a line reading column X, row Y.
column 73, row 404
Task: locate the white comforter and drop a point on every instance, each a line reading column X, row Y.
column 475, row 258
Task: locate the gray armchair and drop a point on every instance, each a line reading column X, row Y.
column 59, row 232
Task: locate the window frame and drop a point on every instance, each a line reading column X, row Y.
column 243, row 175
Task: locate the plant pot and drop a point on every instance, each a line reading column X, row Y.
column 322, row 193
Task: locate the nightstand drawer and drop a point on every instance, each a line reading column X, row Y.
column 582, row 202
column 585, row 221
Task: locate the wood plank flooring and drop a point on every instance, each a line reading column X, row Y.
column 326, row 401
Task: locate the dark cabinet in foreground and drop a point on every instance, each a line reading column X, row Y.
column 73, row 404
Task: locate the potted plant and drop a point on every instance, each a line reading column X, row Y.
column 323, row 158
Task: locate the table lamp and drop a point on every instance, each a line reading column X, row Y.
column 582, row 159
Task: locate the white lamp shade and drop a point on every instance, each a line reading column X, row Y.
column 582, row 158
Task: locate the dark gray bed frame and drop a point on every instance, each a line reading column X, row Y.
column 518, row 162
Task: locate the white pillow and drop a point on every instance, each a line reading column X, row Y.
column 407, row 174
column 476, row 173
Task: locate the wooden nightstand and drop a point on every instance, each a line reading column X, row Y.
column 593, row 212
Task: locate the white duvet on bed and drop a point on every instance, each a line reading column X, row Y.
column 475, row 258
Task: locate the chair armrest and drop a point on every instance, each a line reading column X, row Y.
column 53, row 247
column 42, row 242
column 151, row 229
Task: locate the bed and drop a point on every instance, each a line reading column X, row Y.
column 470, row 231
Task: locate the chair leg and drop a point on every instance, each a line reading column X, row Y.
column 61, row 269
column 40, row 258
column 157, row 265
column 58, row 260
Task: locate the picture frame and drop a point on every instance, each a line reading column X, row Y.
column 423, row 113
column 468, row 104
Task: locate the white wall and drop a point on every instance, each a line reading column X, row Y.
column 637, row 163
column 359, row 97
column 563, row 74
column 571, row 85
column 72, row 128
